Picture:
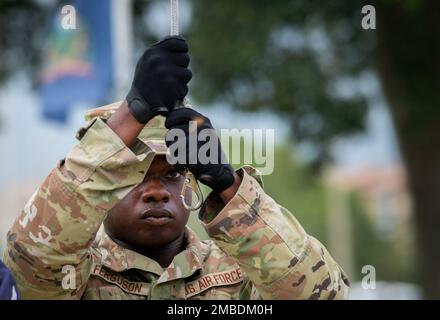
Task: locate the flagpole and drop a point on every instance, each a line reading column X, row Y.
column 122, row 27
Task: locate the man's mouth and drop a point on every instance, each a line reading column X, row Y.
column 156, row 217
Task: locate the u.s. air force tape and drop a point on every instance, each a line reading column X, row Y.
column 213, row 280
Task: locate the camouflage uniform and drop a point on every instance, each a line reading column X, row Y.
column 57, row 250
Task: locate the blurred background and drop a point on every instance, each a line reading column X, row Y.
column 355, row 110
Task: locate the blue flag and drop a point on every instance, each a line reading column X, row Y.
column 78, row 62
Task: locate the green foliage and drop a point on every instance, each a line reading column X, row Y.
column 284, row 56
column 392, row 258
column 23, row 26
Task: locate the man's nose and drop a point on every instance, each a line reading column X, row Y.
column 155, row 191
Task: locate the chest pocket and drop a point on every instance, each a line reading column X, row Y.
column 109, row 292
column 225, row 293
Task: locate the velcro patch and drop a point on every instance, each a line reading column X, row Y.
column 118, row 280
column 213, row 280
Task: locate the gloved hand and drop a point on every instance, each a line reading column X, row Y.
column 216, row 173
column 160, row 79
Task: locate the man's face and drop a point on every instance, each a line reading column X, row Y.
column 152, row 214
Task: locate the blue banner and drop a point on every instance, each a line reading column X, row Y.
column 78, row 62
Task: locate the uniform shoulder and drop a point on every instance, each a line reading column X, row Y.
column 153, row 133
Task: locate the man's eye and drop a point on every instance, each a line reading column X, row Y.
column 173, row 174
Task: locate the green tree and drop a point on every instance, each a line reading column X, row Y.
column 390, row 257
column 23, row 26
column 287, row 56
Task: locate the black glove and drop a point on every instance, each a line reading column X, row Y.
column 160, row 79
column 217, row 173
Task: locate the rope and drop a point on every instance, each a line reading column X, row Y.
column 174, row 17
column 190, row 180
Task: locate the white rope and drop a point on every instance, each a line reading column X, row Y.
column 174, row 17
column 174, row 4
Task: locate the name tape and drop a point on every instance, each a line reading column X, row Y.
column 118, row 280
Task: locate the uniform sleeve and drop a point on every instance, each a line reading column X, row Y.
column 280, row 260
column 48, row 245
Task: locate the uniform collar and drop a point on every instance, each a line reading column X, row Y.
column 183, row 265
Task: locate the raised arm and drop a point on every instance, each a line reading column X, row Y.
column 275, row 253
column 51, row 238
